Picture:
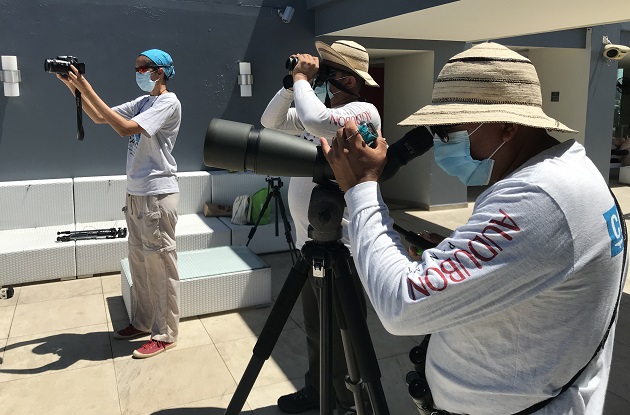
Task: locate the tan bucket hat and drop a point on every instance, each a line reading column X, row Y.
column 486, row 83
column 348, row 54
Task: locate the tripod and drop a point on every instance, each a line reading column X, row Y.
column 110, row 233
column 273, row 190
column 330, row 261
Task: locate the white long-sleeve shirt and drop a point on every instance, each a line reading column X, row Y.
column 310, row 119
column 517, row 299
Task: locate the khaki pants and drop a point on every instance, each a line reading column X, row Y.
column 151, row 222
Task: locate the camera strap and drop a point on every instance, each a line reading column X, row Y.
column 79, row 102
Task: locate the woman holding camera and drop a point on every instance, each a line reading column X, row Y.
column 151, row 124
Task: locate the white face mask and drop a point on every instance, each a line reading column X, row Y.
column 144, row 81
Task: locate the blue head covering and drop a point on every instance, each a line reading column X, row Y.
column 162, row 59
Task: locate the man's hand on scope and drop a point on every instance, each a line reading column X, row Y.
column 351, row 159
column 306, row 68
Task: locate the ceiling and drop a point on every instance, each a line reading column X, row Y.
column 479, row 20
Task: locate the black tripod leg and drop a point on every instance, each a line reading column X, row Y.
column 322, row 273
column 271, row 331
column 260, row 216
column 353, row 380
column 287, row 225
column 359, row 335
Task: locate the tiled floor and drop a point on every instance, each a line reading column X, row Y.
column 59, row 355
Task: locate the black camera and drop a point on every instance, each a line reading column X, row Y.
column 61, row 65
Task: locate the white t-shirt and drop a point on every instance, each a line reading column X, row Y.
column 310, row 119
column 151, row 166
column 517, row 299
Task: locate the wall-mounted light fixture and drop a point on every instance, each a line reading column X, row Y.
column 287, row 14
column 245, row 78
column 10, row 76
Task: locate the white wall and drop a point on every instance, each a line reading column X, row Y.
column 408, row 87
column 565, row 71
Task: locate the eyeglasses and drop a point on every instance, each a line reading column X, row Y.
column 441, row 132
column 145, row 69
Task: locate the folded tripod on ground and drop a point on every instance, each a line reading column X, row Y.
column 110, row 233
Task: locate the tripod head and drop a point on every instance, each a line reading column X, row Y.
column 325, row 212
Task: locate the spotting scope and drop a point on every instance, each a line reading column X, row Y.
column 237, row 146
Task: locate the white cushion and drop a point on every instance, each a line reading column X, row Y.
column 99, row 198
column 33, row 254
column 195, row 189
column 36, row 203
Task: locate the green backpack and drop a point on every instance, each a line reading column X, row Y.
column 257, row 202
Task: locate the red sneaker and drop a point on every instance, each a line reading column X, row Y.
column 151, row 348
column 129, row 332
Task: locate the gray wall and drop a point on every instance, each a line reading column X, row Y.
column 206, row 40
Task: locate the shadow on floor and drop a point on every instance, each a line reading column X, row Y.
column 69, row 347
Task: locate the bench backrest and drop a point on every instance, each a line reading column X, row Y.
column 36, row 203
column 99, row 198
column 195, row 189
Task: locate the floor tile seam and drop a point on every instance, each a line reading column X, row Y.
column 253, row 335
column 608, row 391
column 64, row 330
column 57, row 372
column 111, row 345
column 619, row 341
column 11, row 324
column 297, row 323
column 58, row 299
column 54, row 282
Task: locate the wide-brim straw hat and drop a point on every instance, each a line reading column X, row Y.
column 486, row 83
column 347, row 54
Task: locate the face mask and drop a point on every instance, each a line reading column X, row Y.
column 455, row 159
column 322, row 92
column 144, row 81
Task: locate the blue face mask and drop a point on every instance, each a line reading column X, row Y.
column 455, row 159
column 144, row 81
column 322, row 92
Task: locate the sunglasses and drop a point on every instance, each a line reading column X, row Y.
column 441, row 132
column 145, row 69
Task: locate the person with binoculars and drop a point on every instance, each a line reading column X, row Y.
column 520, row 301
column 338, row 77
column 151, row 124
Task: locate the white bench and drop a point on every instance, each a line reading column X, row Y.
column 99, row 202
column 31, row 214
column 213, row 280
column 33, row 211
